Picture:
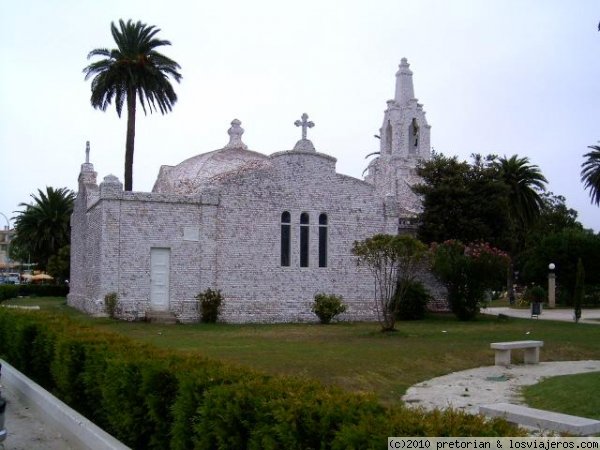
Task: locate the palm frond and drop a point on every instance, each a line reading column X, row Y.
column 590, row 173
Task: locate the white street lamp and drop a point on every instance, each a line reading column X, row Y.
column 551, row 286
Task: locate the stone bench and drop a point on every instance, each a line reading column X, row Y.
column 532, row 351
column 542, row 420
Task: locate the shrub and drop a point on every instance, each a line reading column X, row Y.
column 8, row 291
column 197, row 376
column 326, row 307
column 535, row 294
column 110, row 304
column 414, row 303
column 592, row 296
column 468, row 271
column 210, row 305
column 43, row 290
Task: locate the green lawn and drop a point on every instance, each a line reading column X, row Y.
column 358, row 356
column 569, row 394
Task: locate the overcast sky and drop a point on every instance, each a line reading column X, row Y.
column 495, row 76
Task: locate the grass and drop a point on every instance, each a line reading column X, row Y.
column 568, row 394
column 356, row 356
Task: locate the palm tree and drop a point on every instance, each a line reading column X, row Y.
column 590, row 175
column 133, row 70
column 43, row 227
column 525, row 182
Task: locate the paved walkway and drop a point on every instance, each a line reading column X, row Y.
column 468, row 389
column 27, row 429
column 564, row 315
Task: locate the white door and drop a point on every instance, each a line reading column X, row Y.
column 159, row 278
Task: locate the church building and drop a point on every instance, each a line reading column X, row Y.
column 268, row 231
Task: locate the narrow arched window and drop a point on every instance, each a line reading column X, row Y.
column 413, row 132
column 388, row 138
column 304, row 239
column 285, row 238
column 323, row 240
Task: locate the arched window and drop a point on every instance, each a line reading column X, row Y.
column 285, row 238
column 323, row 240
column 304, row 238
column 388, row 138
column 413, row 132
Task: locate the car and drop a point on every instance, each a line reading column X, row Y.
column 14, row 278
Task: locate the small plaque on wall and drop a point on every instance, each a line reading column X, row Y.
column 191, row 234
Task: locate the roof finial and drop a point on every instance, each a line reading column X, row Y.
column 304, row 144
column 87, row 152
column 235, row 135
column 404, row 83
column 305, row 123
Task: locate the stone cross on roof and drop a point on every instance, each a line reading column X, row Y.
column 304, row 123
column 304, row 144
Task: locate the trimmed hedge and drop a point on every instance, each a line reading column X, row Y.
column 155, row 399
column 43, row 290
column 8, row 291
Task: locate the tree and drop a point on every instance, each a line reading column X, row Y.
column 563, row 248
column 467, row 272
column 132, row 71
column 43, row 227
column 554, row 217
column 590, row 175
column 525, row 182
column 59, row 264
column 492, row 199
column 394, row 262
column 463, row 201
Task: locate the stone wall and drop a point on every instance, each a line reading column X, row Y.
column 228, row 237
column 256, row 287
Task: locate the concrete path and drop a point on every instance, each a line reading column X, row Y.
column 38, row 420
column 563, row 315
column 27, row 429
column 468, row 389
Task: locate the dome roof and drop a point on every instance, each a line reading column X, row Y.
column 194, row 174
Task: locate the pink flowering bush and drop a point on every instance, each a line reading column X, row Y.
column 468, row 271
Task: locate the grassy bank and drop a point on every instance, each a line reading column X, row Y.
column 569, row 394
column 357, row 356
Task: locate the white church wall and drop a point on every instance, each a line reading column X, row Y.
column 255, row 285
column 145, row 225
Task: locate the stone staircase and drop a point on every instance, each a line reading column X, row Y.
column 164, row 317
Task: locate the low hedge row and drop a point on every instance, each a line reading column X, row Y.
column 150, row 398
column 43, row 290
column 8, row 291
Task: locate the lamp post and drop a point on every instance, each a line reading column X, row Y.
column 551, row 286
column 7, row 240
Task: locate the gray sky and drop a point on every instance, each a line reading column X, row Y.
column 494, row 76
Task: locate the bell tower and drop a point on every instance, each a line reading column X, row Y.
column 404, row 140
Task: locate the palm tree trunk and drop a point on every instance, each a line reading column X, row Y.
column 130, row 142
